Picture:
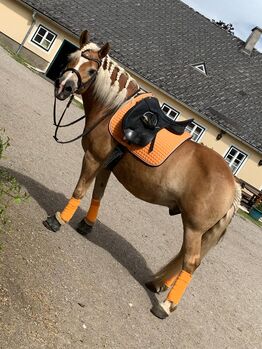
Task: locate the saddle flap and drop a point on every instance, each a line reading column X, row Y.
column 163, row 145
column 144, row 120
column 179, row 127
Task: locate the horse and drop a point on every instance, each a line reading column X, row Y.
column 194, row 181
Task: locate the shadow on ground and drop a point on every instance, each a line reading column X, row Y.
column 102, row 236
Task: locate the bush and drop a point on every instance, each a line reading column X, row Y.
column 10, row 189
column 258, row 203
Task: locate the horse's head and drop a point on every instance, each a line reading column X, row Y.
column 81, row 69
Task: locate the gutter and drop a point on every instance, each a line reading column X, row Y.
column 28, row 32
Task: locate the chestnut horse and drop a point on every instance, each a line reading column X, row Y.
column 194, row 181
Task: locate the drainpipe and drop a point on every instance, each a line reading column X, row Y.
column 28, row 32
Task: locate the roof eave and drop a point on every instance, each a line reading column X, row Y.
column 49, row 18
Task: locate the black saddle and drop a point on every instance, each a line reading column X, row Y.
column 142, row 122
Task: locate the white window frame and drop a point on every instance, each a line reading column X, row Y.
column 39, row 44
column 196, row 125
column 230, row 162
column 169, row 112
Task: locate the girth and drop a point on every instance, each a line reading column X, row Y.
column 143, row 121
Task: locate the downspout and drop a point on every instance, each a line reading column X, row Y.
column 28, row 32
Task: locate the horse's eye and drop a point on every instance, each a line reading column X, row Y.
column 91, row 71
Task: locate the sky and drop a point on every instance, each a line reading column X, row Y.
column 243, row 14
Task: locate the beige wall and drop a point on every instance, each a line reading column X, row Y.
column 15, row 20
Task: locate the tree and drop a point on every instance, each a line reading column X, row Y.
column 227, row 27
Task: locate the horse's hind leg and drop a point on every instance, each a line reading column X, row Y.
column 85, row 226
column 166, row 277
column 195, row 247
column 191, row 260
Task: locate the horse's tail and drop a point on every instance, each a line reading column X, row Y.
column 215, row 233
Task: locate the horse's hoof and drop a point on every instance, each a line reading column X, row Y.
column 52, row 223
column 153, row 288
column 159, row 311
column 84, row 228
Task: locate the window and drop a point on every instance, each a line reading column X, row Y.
column 195, row 130
column 43, row 38
column 170, row 112
column 235, row 158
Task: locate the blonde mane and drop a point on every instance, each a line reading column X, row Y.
column 106, row 92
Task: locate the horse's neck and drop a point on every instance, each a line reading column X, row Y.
column 113, row 85
column 118, row 87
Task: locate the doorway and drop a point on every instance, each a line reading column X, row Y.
column 60, row 61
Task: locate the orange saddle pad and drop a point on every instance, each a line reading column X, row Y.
column 165, row 143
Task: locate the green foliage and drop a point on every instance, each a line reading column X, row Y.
column 258, row 204
column 10, row 189
column 227, row 27
column 247, row 217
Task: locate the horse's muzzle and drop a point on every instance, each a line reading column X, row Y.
column 64, row 90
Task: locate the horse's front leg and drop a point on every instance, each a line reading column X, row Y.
column 90, row 167
column 86, row 225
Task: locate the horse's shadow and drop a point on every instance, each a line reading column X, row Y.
column 101, row 235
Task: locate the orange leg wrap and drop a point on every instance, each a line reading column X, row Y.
column 171, row 281
column 70, row 209
column 179, row 288
column 93, row 211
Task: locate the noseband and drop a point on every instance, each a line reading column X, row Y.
column 81, row 86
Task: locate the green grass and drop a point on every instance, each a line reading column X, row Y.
column 246, row 216
column 18, row 58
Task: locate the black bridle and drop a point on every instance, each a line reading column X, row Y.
column 81, row 86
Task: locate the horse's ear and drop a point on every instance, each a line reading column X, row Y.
column 104, row 50
column 83, row 39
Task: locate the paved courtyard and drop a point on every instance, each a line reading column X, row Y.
column 66, row 291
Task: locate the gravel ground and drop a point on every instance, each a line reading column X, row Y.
column 66, row 291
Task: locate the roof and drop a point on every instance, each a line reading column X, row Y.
column 160, row 41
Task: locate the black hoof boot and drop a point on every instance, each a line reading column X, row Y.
column 159, row 312
column 52, row 223
column 83, row 228
column 151, row 286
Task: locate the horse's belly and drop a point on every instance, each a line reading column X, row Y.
column 145, row 182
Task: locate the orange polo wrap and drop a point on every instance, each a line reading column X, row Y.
column 93, row 211
column 70, row 209
column 169, row 282
column 179, row 288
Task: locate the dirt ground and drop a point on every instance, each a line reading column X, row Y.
column 66, row 291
